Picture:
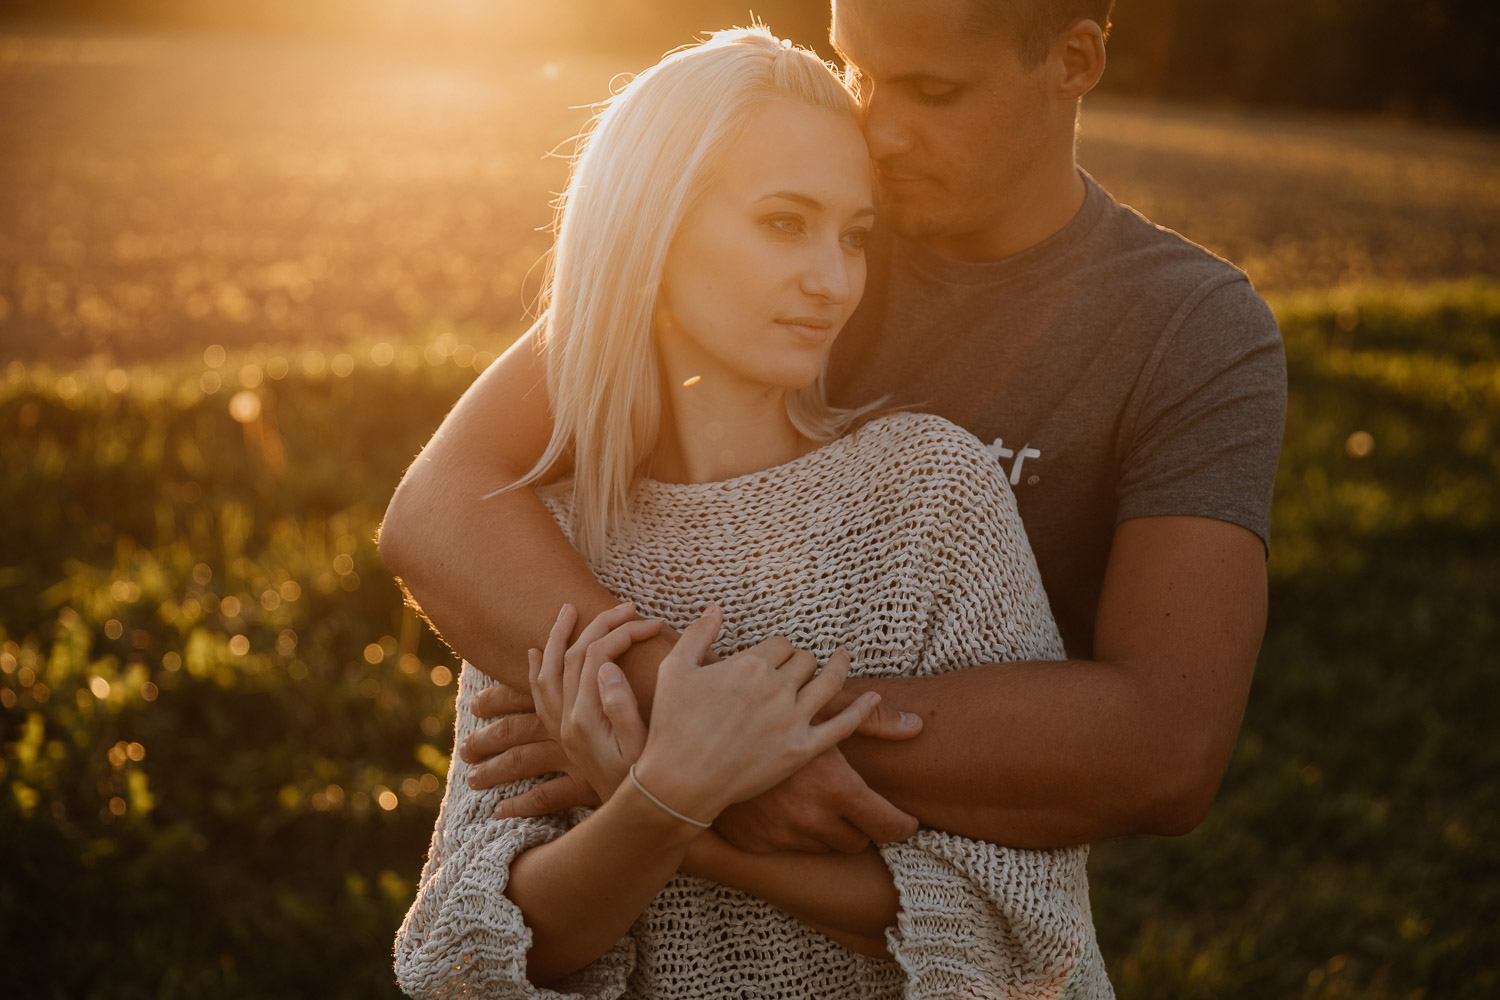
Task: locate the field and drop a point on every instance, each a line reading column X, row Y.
column 222, row 261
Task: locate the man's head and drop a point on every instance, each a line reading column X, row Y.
column 1031, row 25
column 969, row 110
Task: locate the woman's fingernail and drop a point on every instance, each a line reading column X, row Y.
column 908, row 719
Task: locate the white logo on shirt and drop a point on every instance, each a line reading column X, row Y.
column 998, row 449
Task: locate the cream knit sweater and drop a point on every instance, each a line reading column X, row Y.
column 899, row 542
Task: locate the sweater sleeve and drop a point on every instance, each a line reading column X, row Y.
column 463, row 934
column 976, row 919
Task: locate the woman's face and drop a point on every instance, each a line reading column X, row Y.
column 770, row 262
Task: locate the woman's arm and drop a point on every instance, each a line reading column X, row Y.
column 581, row 892
column 722, row 732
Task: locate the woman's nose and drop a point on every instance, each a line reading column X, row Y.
column 827, row 271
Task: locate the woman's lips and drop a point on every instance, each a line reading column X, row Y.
column 813, row 329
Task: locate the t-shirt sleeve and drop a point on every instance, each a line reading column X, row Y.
column 463, row 935
column 1202, row 434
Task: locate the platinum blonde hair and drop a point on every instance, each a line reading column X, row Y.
column 640, row 164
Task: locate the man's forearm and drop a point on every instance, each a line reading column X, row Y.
column 489, row 574
column 492, row 594
column 1056, row 754
column 1038, row 755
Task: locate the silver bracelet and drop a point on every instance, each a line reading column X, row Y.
column 664, row 807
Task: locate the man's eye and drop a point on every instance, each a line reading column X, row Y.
column 936, row 95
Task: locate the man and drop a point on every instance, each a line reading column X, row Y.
column 1130, row 384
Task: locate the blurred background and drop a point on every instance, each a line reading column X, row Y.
column 250, row 254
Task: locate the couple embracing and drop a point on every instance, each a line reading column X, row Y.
column 870, row 619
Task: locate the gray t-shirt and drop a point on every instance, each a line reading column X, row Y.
column 1115, row 371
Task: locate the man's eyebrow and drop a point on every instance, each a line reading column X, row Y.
column 810, row 202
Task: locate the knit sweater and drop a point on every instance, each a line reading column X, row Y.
column 899, row 542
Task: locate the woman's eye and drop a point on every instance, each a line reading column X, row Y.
column 788, row 224
column 855, row 239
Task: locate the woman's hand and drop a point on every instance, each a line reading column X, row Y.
column 582, row 697
column 726, row 731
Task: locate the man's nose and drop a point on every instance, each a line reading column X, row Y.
column 886, row 130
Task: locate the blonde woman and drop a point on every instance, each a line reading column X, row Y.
column 709, row 249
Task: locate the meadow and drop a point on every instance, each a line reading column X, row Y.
column 240, row 283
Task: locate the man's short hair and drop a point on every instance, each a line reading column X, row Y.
column 1033, row 24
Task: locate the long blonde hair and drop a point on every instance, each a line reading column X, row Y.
column 639, row 166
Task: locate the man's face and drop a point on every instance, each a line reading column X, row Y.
column 958, row 129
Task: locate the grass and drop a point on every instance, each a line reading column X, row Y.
column 222, row 739
column 210, row 692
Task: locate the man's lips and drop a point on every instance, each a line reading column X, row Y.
column 893, row 176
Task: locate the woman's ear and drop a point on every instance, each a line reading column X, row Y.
column 1078, row 54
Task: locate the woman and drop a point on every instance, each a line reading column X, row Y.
column 708, row 252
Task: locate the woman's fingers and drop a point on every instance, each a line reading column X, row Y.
column 693, row 645
column 602, row 625
column 586, row 707
column 843, row 725
column 817, row 692
column 619, row 705
column 798, row 668
column 547, row 684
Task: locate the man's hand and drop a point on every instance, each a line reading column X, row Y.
column 516, row 746
column 824, row 806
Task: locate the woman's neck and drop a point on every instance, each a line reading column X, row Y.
column 710, row 433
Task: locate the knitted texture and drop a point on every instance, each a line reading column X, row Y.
column 900, row 543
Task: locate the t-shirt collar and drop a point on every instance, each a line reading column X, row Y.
column 964, row 272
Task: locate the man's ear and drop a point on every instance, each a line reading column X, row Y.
column 1078, row 56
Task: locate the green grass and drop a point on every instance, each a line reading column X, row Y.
column 1351, row 851
column 210, row 693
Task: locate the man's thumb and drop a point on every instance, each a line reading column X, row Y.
column 887, row 723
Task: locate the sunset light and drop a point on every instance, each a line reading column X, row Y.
column 267, row 272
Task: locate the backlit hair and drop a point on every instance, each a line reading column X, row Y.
column 1034, row 24
column 639, row 166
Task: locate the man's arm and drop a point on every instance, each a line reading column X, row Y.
column 1053, row 754
column 491, row 574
